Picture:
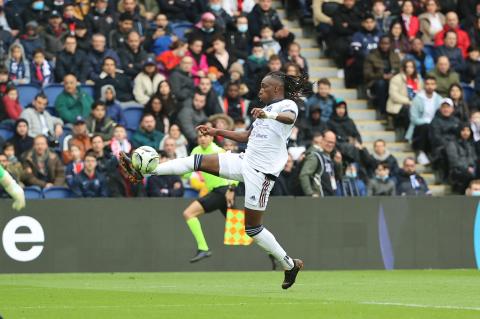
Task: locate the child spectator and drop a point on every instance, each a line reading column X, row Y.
column 9, row 151
column 233, row 105
column 119, row 142
column 75, row 166
column 269, row 44
column 21, row 141
column 18, row 65
column 293, row 55
column 12, row 106
column 236, row 76
column 114, row 110
column 98, row 123
column 200, row 65
column 181, row 142
column 323, row 99
column 155, row 107
column 381, row 184
column 255, row 66
column 351, row 185
column 90, row 182
column 41, row 70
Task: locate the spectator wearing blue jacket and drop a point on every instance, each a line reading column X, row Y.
column 322, row 99
column 451, row 51
column 351, row 185
column 366, row 39
column 89, row 183
column 423, row 59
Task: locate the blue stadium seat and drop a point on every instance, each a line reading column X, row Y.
column 133, row 114
column 57, row 192
column 467, row 92
column 6, row 134
column 33, row 192
column 52, row 91
column 130, row 133
column 26, row 93
column 190, row 193
column 51, row 109
column 181, row 29
column 89, row 89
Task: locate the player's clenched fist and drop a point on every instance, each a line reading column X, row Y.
column 259, row 113
column 206, row 130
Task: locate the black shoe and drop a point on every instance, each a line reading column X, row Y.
column 291, row 275
column 201, row 254
column 127, row 168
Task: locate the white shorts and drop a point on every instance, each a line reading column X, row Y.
column 257, row 184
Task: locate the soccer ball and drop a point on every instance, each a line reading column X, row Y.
column 145, row 159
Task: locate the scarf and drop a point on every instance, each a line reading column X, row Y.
column 43, row 72
column 118, row 146
column 412, row 87
column 17, row 69
column 381, row 158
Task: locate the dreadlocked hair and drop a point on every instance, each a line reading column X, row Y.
column 293, row 85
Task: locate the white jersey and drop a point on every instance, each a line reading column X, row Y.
column 267, row 145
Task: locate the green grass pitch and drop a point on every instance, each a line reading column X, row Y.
column 317, row 294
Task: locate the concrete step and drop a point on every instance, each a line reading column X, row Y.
column 357, row 104
column 394, row 148
column 371, row 136
column 362, row 115
column 281, row 13
column 346, row 94
column 370, row 126
column 322, row 72
column 429, row 178
column 306, row 43
column 314, row 53
column 317, row 62
column 291, row 24
column 337, row 83
column 440, row 190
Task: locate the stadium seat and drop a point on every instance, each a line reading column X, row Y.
column 181, row 29
column 26, row 93
column 57, row 192
column 89, row 89
column 130, row 133
column 6, row 134
column 52, row 110
column 33, row 192
column 52, row 91
column 133, row 114
column 190, row 193
column 467, row 92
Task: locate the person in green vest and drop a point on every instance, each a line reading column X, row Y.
column 13, row 189
column 220, row 196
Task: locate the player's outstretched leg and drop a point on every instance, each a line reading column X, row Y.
column 191, row 214
column 266, row 240
column 178, row 166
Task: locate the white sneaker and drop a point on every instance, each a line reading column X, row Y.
column 422, row 158
column 341, row 74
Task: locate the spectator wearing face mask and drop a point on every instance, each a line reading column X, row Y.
column 205, row 30
column 474, row 188
column 239, row 39
column 351, row 185
column 409, row 182
column 381, row 184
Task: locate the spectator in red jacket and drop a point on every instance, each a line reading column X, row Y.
column 11, row 104
column 463, row 41
column 411, row 23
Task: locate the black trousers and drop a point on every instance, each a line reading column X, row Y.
column 420, row 141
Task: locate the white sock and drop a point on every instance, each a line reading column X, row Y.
column 179, row 166
column 267, row 241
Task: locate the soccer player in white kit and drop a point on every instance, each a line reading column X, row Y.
column 258, row 167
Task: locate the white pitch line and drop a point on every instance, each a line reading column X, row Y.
column 413, row 305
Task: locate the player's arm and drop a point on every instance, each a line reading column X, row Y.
column 287, row 117
column 13, row 189
column 240, row 137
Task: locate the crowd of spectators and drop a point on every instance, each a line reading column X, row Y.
column 185, row 63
